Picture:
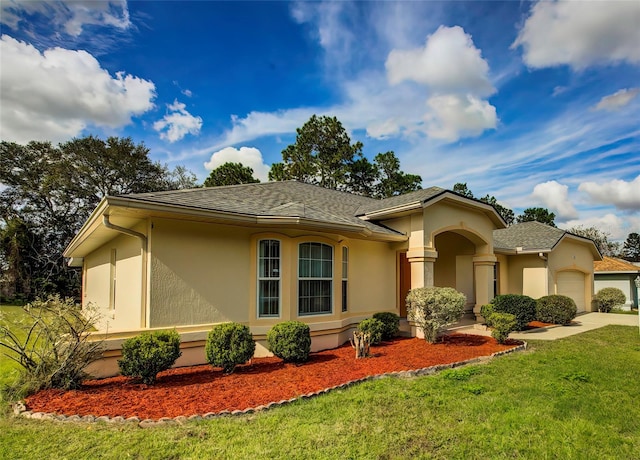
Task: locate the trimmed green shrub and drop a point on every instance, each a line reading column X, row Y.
column 290, row 341
column 486, row 311
column 433, row 308
column 503, row 324
column 145, row 355
column 521, row 306
column 608, row 298
column 556, row 309
column 390, row 322
column 373, row 326
column 228, row 345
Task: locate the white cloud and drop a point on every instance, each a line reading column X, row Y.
column 620, row 193
column 456, row 116
column 69, row 16
column 555, row 196
column 580, row 34
column 247, row 156
column 56, row 94
column 448, row 63
column 618, row 99
column 177, row 123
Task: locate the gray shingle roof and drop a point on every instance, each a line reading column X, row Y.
column 395, row 201
column 527, row 235
column 282, row 199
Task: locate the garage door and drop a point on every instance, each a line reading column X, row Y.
column 571, row 284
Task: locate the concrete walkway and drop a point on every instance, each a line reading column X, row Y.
column 582, row 323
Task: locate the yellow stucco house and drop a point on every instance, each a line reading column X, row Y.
column 264, row 253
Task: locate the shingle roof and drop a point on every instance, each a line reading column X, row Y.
column 282, row 199
column 528, row 236
column 611, row 264
column 395, row 201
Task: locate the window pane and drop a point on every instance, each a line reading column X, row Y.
column 314, row 297
column 344, row 295
column 268, row 278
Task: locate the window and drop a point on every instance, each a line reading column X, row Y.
column 268, row 278
column 315, row 278
column 345, row 273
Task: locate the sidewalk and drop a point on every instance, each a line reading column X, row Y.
column 582, row 323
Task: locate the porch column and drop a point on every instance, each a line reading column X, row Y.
column 422, row 260
column 483, row 268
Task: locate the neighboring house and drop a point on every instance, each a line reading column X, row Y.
column 264, row 253
column 535, row 259
column 617, row 273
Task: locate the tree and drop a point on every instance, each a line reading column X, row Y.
column 393, row 181
column 631, row 248
column 49, row 191
column 537, row 214
column 462, row 189
column 600, row 238
column 324, row 155
column 507, row 214
column 321, row 154
column 230, row 174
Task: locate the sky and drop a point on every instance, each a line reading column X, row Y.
column 535, row 103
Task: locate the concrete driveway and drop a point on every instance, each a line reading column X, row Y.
column 582, row 323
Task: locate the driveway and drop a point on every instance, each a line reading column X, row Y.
column 582, row 323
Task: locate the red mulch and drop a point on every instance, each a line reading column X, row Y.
column 537, row 325
column 203, row 389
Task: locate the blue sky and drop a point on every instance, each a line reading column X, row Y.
column 535, row 103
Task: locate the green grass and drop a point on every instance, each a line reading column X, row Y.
column 576, row 398
column 618, row 311
column 9, row 368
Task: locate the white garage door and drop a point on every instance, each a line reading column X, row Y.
column 571, row 284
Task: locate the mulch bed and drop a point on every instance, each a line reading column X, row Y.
column 203, row 389
column 537, row 325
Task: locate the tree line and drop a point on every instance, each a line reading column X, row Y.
column 47, row 192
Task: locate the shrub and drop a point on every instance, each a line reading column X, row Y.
column 290, row 341
column 433, row 308
column 486, row 311
column 145, row 355
column 521, row 306
column 390, row 322
column 608, row 298
column 373, row 326
column 503, row 324
column 228, row 345
column 51, row 344
column 556, row 309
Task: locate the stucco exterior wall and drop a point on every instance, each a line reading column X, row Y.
column 526, row 274
column 119, row 305
column 199, row 273
column 570, row 255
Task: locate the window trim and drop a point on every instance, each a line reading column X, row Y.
column 330, row 279
column 259, row 279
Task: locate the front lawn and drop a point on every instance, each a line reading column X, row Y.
column 574, row 398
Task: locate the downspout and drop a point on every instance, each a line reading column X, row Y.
column 145, row 243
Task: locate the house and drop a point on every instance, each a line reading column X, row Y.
column 618, row 273
column 264, row 253
column 535, row 259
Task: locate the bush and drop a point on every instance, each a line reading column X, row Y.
column 373, row 326
column 290, row 341
column 433, row 308
column 503, row 324
column 51, row 344
column 228, row 345
column 486, row 311
column 608, row 298
column 556, row 309
column 521, row 306
column 390, row 322
column 145, row 355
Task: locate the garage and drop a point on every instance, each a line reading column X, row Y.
column 571, row 284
